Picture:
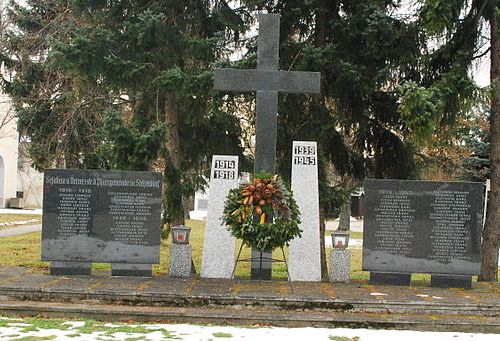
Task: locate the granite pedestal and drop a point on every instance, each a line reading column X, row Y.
column 180, row 260
column 340, row 265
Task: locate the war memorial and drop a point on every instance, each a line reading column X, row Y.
column 114, row 217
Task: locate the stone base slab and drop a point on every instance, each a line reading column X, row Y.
column 71, row 268
column 261, row 270
column 131, row 270
column 390, row 278
column 451, row 281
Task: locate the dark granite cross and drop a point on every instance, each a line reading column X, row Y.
column 267, row 80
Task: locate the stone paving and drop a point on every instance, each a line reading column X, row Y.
column 245, row 301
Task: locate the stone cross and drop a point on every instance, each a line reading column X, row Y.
column 267, row 80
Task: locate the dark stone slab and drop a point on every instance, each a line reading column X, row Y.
column 119, row 285
column 390, row 278
column 245, row 80
column 71, row 268
column 266, row 128
column 215, row 287
column 422, row 226
column 131, row 270
column 101, row 216
column 261, row 273
column 450, row 281
column 260, row 265
column 268, row 41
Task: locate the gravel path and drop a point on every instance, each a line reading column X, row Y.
column 14, row 231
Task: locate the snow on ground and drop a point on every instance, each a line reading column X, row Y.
column 75, row 330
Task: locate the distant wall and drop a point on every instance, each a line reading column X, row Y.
column 16, row 173
column 8, row 151
column 30, row 182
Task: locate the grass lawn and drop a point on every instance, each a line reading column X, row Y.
column 9, row 218
column 356, row 235
column 24, row 250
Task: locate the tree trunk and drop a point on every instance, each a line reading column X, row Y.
column 172, row 186
column 491, row 232
column 345, row 216
column 320, row 40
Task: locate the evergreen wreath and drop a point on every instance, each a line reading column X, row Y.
column 247, row 207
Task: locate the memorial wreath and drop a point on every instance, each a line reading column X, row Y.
column 248, row 206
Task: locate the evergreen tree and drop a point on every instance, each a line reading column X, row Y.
column 389, row 85
column 152, row 62
column 476, row 166
column 58, row 114
column 363, row 54
column 457, row 26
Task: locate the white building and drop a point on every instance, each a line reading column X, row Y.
column 17, row 177
column 8, row 152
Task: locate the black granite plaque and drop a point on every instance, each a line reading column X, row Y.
column 422, row 227
column 101, row 216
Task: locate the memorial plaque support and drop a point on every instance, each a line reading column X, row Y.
column 70, row 268
column 450, row 281
column 390, row 278
column 131, row 270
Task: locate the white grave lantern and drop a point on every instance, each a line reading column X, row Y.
column 340, row 239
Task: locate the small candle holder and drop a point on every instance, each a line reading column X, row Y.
column 340, row 239
column 180, row 234
column 340, row 257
